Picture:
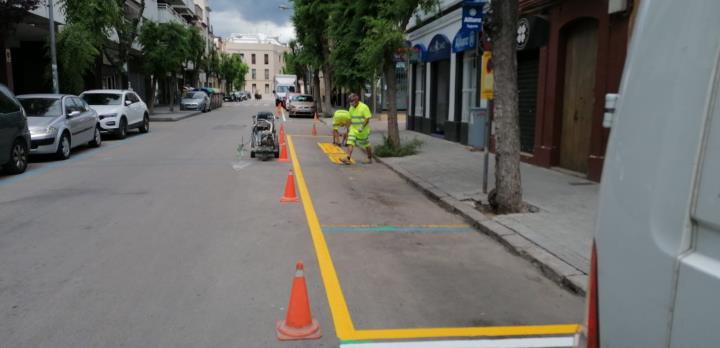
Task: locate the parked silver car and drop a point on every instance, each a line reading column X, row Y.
column 195, row 100
column 59, row 123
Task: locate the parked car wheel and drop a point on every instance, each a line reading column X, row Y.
column 252, row 154
column 18, row 158
column 63, row 149
column 97, row 139
column 122, row 129
column 145, row 127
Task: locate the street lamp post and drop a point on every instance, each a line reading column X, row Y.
column 53, row 54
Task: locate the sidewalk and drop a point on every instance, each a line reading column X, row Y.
column 557, row 238
column 163, row 114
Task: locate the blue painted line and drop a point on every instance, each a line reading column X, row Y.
column 59, row 164
column 397, row 229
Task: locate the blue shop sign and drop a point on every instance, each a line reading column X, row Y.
column 472, row 18
column 464, row 40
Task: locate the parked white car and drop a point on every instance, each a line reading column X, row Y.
column 119, row 110
column 59, row 123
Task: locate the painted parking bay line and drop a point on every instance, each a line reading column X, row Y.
column 535, row 342
column 344, row 328
column 396, row 229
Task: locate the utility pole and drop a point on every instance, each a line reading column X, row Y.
column 53, row 54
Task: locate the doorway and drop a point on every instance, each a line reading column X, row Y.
column 578, row 94
column 440, row 73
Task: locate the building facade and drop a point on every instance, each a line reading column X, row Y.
column 570, row 54
column 264, row 56
column 26, row 62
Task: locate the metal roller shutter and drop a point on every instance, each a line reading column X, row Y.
column 528, row 69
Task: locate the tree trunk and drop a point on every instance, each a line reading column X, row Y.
column 327, row 81
column 316, row 90
column 507, row 135
column 391, row 81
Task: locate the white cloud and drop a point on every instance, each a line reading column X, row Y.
column 231, row 21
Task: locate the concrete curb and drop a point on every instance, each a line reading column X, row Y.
column 550, row 265
column 172, row 118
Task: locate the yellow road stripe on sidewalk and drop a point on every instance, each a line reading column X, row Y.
column 334, row 153
column 344, row 328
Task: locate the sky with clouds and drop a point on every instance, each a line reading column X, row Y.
column 252, row 16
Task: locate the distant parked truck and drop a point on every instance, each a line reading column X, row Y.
column 283, row 84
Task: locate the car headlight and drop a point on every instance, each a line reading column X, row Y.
column 43, row 131
column 107, row 116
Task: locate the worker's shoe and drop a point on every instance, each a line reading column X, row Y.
column 345, row 161
column 367, row 161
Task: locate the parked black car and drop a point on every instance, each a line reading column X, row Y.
column 14, row 133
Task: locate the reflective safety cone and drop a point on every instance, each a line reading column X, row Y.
column 283, row 151
column 282, row 133
column 314, row 130
column 299, row 323
column 289, row 196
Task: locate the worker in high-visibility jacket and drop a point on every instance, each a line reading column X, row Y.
column 341, row 119
column 359, row 134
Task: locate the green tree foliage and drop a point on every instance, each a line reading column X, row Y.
column 312, row 25
column 385, row 36
column 102, row 17
column 166, row 48
column 232, row 70
column 76, row 55
column 196, row 44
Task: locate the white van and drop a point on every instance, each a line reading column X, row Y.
column 656, row 279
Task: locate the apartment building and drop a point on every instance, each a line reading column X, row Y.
column 264, row 56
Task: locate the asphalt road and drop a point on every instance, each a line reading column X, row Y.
column 176, row 239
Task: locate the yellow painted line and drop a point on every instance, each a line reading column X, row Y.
column 334, row 153
column 490, row 331
column 344, row 328
column 336, row 299
column 409, row 226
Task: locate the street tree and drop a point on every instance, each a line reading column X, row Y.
column 502, row 28
column 310, row 18
column 348, row 29
column 165, row 51
column 294, row 63
column 76, row 56
column 232, row 70
column 103, row 17
column 11, row 13
column 384, row 38
column 196, row 43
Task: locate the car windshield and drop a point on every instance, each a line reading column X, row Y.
column 41, row 107
column 194, row 95
column 102, row 98
column 303, row 98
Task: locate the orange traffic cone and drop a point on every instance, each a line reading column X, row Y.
column 282, row 134
column 289, row 196
column 283, row 151
column 299, row 323
column 314, row 130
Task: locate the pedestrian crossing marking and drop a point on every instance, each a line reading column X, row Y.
column 334, row 153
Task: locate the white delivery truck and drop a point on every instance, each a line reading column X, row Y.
column 655, row 270
column 283, row 85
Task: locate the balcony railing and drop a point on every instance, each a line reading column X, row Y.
column 167, row 14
